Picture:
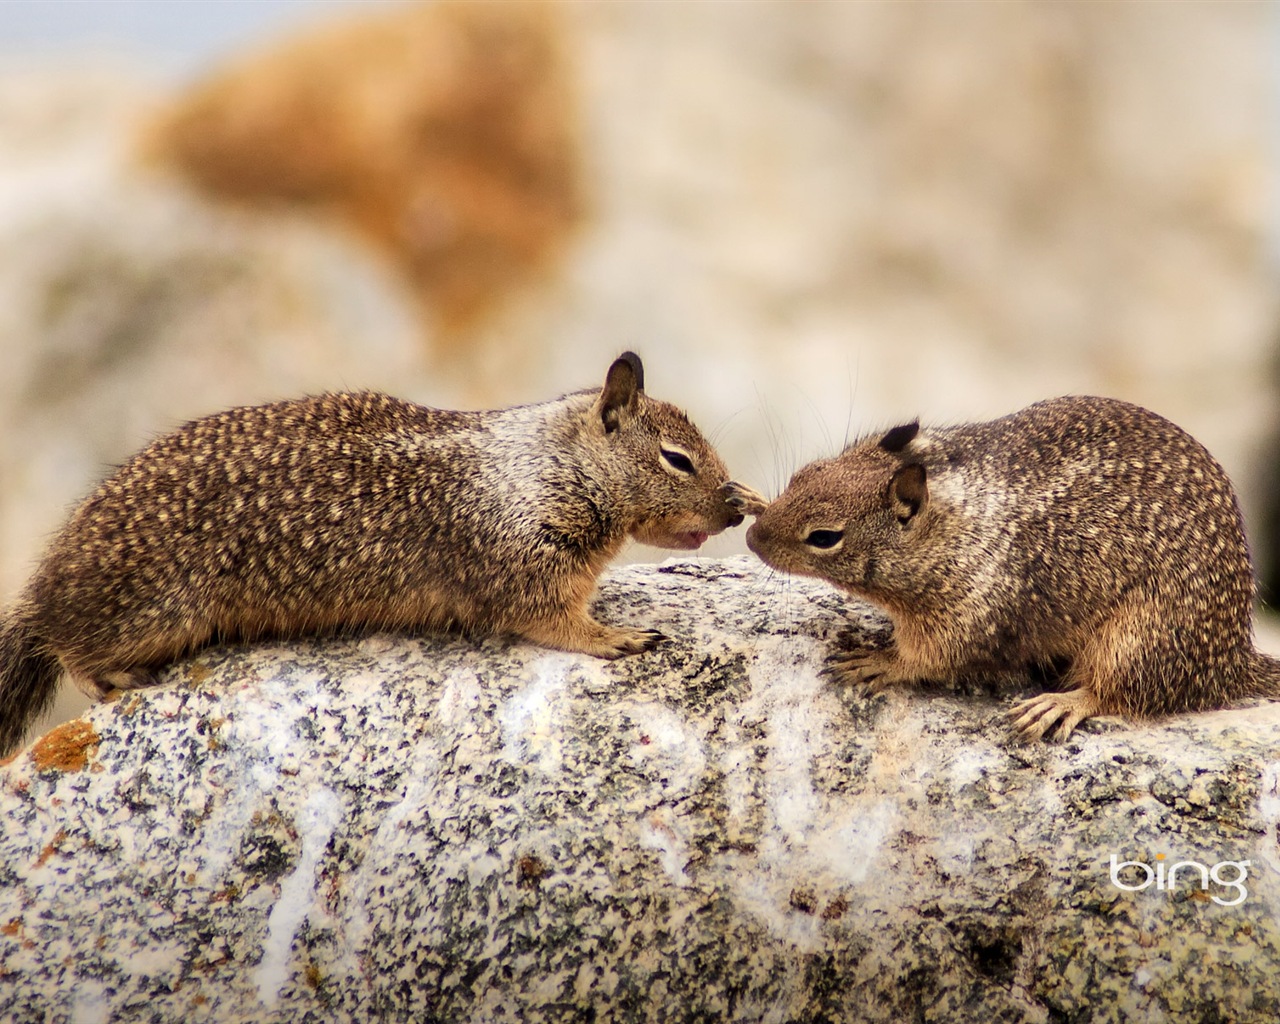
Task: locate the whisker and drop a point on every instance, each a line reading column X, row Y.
column 821, row 423
column 853, row 375
column 714, row 434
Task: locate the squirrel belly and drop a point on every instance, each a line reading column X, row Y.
column 359, row 511
column 1080, row 531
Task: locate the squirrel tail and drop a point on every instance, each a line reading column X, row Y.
column 29, row 676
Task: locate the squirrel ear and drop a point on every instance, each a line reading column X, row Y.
column 637, row 368
column 909, row 491
column 899, row 437
column 624, row 381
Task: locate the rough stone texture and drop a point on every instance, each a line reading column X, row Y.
column 438, row 830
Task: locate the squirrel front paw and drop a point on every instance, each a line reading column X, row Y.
column 870, row 671
column 587, row 636
column 743, row 499
column 618, row 643
column 869, row 663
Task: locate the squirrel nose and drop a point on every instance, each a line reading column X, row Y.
column 736, row 519
column 754, row 536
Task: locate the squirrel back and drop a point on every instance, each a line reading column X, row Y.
column 1080, row 530
column 357, row 511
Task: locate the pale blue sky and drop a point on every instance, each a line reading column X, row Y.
column 177, row 37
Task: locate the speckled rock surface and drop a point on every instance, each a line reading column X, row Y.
column 408, row 829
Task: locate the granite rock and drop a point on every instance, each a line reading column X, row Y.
column 424, row 829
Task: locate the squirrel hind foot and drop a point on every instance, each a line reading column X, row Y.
column 1053, row 716
column 98, row 686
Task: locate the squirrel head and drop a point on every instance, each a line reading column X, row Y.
column 673, row 480
column 855, row 520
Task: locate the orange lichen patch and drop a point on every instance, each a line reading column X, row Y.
column 131, row 702
column 12, row 927
column 530, row 871
column 215, row 740
column 51, row 848
column 444, row 133
column 227, row 895
column 66, row 748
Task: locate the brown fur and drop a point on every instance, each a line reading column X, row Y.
column 360, row 511
column 1079, row 531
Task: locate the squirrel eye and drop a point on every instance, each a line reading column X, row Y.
column 824, row 539
column 678, row 461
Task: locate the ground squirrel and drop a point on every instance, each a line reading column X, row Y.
column 1084, row 534
column 350, row 511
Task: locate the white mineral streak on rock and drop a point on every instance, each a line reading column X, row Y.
column 968, row 766
column 667, row 749
column 362, row 883
column 786, row 691
column 669, row 752
column 263, row 719
column 531, row 719
column 91, row 1005
column 459, row 697
column 1269, row 812
column 658, row 832
column 809, row 839
column 298, row 898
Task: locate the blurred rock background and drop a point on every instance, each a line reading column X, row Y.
column 810, row 219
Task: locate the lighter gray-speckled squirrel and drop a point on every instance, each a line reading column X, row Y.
column 1080, row 531
column 360, row 511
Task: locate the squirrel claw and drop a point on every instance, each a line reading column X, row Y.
column 610, row 643
column 634, row 641
column 654, row 638
column 869, row 670
column 1052, row 716
column 744, row 499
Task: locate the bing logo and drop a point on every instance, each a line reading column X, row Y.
column 1229, row 875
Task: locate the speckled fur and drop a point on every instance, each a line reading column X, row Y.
column 1084, row 532
column 360, row 511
